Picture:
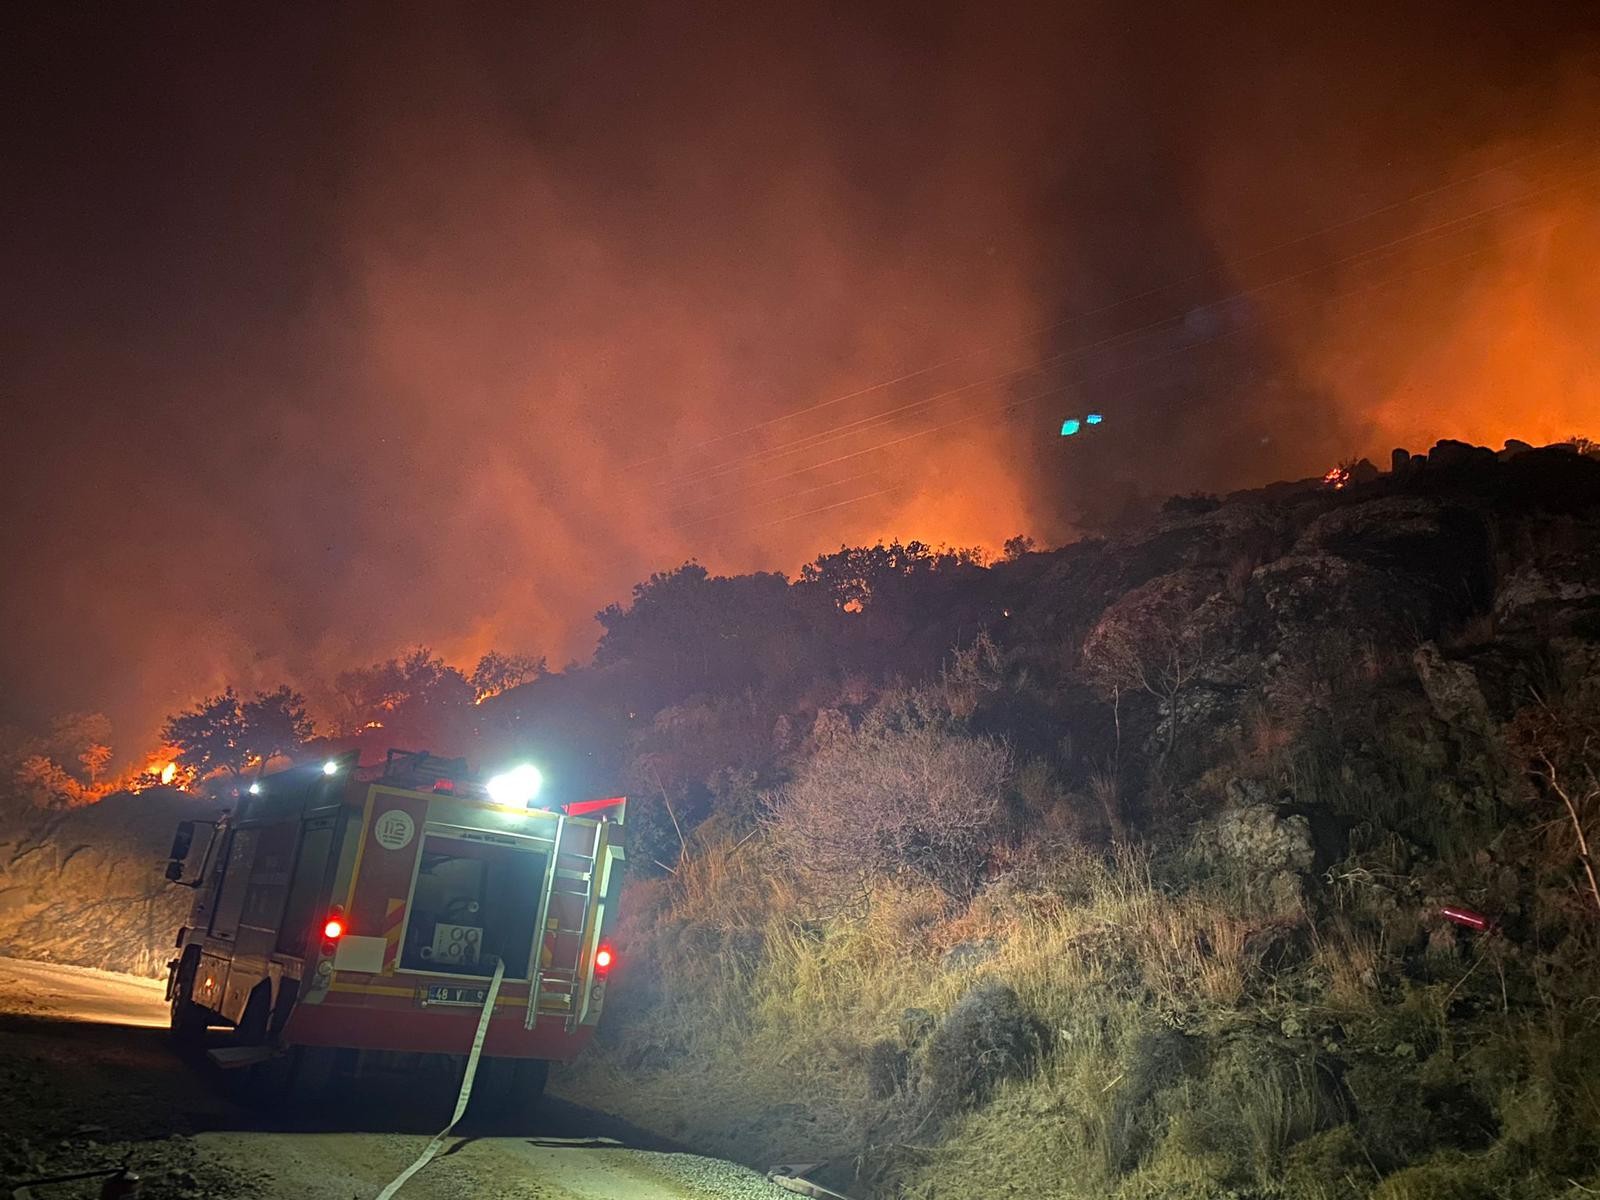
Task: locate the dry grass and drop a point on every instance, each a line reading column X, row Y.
column 1169, row 1069
column 1352, row 961
column 1092, row 946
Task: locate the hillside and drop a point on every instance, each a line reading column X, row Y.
column 85, row 885
column 1142, row 892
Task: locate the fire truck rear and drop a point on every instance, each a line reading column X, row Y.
column 366, row 910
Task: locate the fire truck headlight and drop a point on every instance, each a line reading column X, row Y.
column 330, row 767
column 516, row 786
column 255, row 788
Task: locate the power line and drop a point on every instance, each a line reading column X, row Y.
column 811, row 441
column 821, row 487
column 830, row 507
column 1023, row 402
column 1109, row 307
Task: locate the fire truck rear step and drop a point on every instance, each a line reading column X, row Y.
column 231, row 1058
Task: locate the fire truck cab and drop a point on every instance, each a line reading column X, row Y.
column 366, row 909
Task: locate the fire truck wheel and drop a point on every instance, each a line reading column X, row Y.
column 186, row 1019
column 507, row 1091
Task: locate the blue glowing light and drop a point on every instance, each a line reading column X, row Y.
column 1069, row 427
column 1094, row 418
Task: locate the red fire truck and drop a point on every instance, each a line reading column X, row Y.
column 354, row 910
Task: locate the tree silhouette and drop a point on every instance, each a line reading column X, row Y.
column 498, row 672
column 274, row 723
column 225, row 733
column 208, row 736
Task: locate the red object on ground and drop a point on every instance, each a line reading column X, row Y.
column 1466, row 917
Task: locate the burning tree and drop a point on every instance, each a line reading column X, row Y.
column 273, row 723
column 416, row 697
column 497, row 672
column 226, row 733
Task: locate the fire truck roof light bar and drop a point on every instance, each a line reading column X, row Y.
column 582, row 808
column 516, row 786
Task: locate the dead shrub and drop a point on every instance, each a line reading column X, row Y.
column 908, row 794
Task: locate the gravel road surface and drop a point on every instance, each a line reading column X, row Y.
column 87, row 1080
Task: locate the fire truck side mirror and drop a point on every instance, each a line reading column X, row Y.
column 182, row 839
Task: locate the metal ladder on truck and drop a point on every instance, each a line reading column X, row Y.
column 555, row 989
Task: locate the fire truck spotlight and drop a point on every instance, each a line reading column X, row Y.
column 603, row 958
column 330, row 767
column 516, row 786
column 333, row 928
column 255, row 788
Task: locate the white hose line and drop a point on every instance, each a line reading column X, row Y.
column 434, row 1146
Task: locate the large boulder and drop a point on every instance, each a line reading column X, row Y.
column 1556, row 588
column 1255, row 841
column 1302, row 597
column 1422, row 537
column 986, row 1038
column 1212, row 540
column 1452, row 688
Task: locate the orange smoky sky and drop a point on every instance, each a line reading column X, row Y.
column 328, row 334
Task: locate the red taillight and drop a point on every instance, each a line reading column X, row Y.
column 603, row 959
column 333, row 928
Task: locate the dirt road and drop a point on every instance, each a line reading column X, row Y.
column 87, row 1080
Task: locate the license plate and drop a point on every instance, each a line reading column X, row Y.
column 449, row 993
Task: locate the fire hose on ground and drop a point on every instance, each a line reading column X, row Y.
column 433, row 1147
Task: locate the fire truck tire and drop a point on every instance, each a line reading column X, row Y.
column 507, row 1091
column 187, row 1020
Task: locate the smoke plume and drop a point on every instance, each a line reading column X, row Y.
column 333, row 335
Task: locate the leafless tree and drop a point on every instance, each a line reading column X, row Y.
column 1150, row 641
column 1562, row 751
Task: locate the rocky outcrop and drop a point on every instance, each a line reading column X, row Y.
column 1452, row 688
column 1255, row 840
column 85, row 886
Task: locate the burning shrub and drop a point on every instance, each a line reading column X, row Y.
column 908, row 793
column 43, row 783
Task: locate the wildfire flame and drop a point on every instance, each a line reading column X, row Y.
column 169, row 772
column 1337, row 477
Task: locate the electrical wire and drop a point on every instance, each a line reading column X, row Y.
column 1023, row 402
column 811, row 441
column 1111, row 306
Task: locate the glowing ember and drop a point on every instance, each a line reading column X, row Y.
column 1337, row 477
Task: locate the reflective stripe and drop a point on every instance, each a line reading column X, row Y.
column 394, row 918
